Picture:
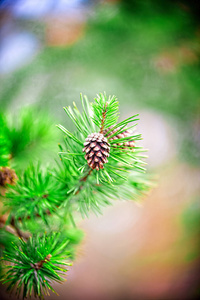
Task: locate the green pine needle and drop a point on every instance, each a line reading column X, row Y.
column 37, row 193
column 35, row 264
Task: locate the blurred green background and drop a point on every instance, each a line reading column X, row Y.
column 147, row 53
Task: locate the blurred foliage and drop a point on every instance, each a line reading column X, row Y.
column 190, row 219
column 26, row 135
column 4, row 144
column 192, row 6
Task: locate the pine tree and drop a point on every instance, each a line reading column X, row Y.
column 99, row 162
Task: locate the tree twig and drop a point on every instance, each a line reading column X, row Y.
column 83, row 179
column 39, row 265
column 103, row 118
column 20, row 233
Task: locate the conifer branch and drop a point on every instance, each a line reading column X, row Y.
column 99, row 162
column 26, row 254
column 83, row 179
column 86, row 176
column 39, row 264
column 123, row 159
column 20, row 233
column 103, row 118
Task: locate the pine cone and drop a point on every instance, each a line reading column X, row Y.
column 97, row 150
column 7, row 176
column 126, row 133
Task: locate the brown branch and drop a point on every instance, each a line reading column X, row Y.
column 45, row 196
column 20, row 233
column 39, row 265
column 86, row 176
column 14, row 229
column 103, row 118
column 47, row 212
column 83, row 179
column 7, row 228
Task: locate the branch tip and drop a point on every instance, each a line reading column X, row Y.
column 103, row 118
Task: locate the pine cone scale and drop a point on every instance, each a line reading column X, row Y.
column 92, row 145
column 97, row 148
column 104, row 146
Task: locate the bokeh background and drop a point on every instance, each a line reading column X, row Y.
column 147, row 53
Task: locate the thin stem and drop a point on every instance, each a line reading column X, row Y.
column 103, row 118
column 83, row 179
column 7, row 228
column 20, row 233
column 39, row 265
column 47, row 212
column 86, row 176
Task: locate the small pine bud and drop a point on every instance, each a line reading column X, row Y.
column 97, row 150
column 7, row 176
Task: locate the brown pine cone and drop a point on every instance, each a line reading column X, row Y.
column 126, row 133
column 7, row 176
column 97, row 150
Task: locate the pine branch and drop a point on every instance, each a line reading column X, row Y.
column 36, row 193
column 86, row 176
column 20, row 233
column 105, row 110
column 99, row 162
column 35, row 264
column 40, row 264
column 83, row 179
column 123, row 159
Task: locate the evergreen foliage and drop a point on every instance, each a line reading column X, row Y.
column 36, row 263
column 4, row 144
column 23, row 135
column 37, row 193
column 96, row 188
column 50, row 198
